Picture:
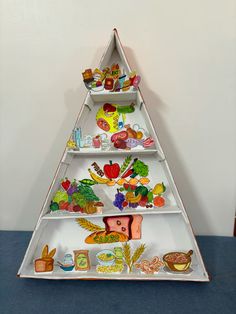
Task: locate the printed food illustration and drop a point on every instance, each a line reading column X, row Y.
column 68, row 263
column 132, row 177
column 110, row 79
column 131, row 137
column 76, row 197
column 81, row 259
column 178, row 261
column 117, row 229
column 130, row 260
column 150, row 267
column 129, row 179
column 45, row 263
column 110, row 261
column 111, row 117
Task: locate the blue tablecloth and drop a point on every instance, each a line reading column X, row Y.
column 19, row 295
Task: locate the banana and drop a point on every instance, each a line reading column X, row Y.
column 98, row 179
column 131, row 198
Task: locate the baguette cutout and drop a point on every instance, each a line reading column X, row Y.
column 101, row 237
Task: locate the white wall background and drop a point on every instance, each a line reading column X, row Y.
column 185, row 51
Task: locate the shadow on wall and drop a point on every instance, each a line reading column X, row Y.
column 156, row 107
column 73, row 100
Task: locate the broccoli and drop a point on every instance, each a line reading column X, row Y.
column 139, row 168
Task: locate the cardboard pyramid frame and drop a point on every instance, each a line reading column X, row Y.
column 164, row 229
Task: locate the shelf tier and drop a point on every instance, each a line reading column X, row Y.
column 113, row 96
column 61, row 214
column 94, row 152
column 58, row 273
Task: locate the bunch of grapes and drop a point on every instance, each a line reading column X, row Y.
column 119, row 199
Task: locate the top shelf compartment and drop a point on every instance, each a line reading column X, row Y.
column 107, row 96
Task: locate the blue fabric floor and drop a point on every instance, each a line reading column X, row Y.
column 19, row 295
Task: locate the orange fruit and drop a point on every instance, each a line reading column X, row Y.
column 159, row 201
column 144, row 181
column 133, row 181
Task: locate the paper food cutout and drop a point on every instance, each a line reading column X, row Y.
column 71, row 144
column 87, row 75
column 132, row 178
column 68, row 263
column 114, row 269
column 97, row 178
column 111, row 117
column 150, row 267
column 81, row 259
column 106, row 257
column 129, row 259
column 117, row 229
column 76, row 197
column 110, row 261
column 111, row 170
column 110, row 79
column 131, row 138
column 178, row 261
column 45, row 263
column 115, row 71
column 136, row 81
column 109, row 83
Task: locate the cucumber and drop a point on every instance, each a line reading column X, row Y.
column 126, row 109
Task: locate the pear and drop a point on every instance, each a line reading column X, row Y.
column 159, row 189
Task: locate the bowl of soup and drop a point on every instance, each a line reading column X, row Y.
column 178, row 261
column 106, row 257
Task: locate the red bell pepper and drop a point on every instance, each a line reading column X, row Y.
column 111, row 171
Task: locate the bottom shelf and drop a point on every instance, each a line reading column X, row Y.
column 193, row 274
column 155, row 235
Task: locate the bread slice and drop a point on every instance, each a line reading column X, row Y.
column 121, row 224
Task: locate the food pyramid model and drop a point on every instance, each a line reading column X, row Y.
column 113, row 210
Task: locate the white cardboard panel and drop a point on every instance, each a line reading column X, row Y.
column 163, row 230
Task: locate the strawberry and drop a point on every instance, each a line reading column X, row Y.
column 65, row 184
column 126, row 186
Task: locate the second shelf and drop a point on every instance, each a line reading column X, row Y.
column 63, row 214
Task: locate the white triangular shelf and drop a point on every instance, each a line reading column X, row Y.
column 164, row 229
